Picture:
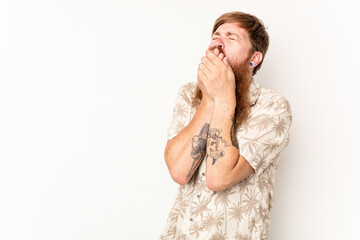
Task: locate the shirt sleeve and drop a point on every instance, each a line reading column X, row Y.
column 266, row 134
column 181, row 112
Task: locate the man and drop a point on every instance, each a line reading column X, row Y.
column 225, row 139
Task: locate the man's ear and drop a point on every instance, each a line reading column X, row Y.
column 256, row 58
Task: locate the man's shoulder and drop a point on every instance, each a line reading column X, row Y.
column 268, row 94
column 188, row 87
column 271, row 99
column 187, row 91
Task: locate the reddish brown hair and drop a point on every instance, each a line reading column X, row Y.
column 259, row 38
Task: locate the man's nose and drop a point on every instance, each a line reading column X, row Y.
column 219, row 44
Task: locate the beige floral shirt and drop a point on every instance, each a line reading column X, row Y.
column 242, row 211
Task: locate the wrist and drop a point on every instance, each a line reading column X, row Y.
column 224, row 107
column 208, row 102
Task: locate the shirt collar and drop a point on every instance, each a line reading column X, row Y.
column 254, row 92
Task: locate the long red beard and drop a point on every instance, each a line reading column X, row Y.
column 243, row 78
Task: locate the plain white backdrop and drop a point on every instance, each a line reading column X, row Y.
column 87, row 90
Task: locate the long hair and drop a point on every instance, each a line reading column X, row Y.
column 259, row 39
column 242, row 109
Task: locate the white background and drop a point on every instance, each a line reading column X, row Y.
column 87, row 90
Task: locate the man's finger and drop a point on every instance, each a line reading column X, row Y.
column 213, row 58
column 204, row 69
column 202, row 72
column 206, row 61
column 226, row 61
column 202, row 76
column 221, row 56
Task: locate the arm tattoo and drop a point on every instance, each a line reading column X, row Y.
column 213, row 144
column 199, row 147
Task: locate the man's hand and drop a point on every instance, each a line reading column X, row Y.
column 216, row 78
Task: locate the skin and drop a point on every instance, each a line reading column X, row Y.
column 198, row 150
column 215, row 76
column 229, row 48
column 212, row 124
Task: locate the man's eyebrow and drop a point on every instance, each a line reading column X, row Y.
column 227, row 34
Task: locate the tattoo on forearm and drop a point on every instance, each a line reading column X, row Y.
column 234, row 140
column 214, row 139
column 199, row 147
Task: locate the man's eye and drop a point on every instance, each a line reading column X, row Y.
column 232, row 38
column 214, row 38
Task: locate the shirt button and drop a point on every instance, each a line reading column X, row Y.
column 191, row 219
column 203, row 174
column 198, row 195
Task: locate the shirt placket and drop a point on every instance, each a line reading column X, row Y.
column 188, row 218
column 195, row 196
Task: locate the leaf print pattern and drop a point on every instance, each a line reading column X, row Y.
column 250, row 202
column 212, row 220
column 200, row 207
column 218, row 236
column 222, row 197
column 243, row 210
column 172, row 231
column 280, row 127
column 252, row 224
column 180, row 236
column 237, row 213
column 262, row 122
column 181, row 112
column 239, row 236
column 195, row 230
column 269, row 140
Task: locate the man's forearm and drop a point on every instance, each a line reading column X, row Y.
column 222, row 151
column 184, row 153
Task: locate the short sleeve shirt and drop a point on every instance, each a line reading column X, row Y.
column 243, row 210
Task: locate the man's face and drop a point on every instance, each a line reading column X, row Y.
column 233, row 41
